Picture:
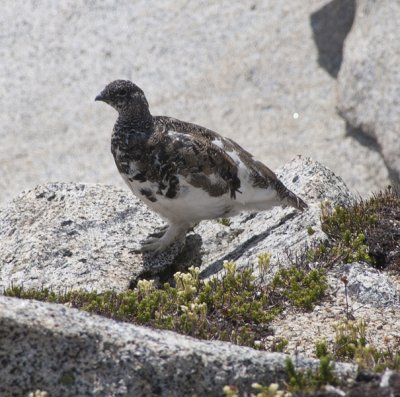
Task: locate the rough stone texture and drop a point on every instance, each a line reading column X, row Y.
column 65, row 236
column 369, row 286
column 93, row 356
column 380, row 314
column 369, row 79
column 244, row 69
column 84, row 236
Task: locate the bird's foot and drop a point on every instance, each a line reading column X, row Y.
column 170, row 236
column 158, row 233
column 152, row 241
column 153, row 245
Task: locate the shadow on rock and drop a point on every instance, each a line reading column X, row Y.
column 189, row 255
column 237, row 252
column 330, row 25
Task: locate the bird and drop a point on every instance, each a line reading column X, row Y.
column 184, row 172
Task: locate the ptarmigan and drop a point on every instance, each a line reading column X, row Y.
column 185, row 172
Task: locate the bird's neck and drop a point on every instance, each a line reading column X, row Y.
column 139, row 120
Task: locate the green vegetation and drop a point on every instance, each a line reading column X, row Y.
column 302, row 289
column 67, row 379
column 264, row 262
column 321, row 348
column 350, row 337
column 310, row 380
column 351, row 344
column 366, row 231
column 345, row 226
column 303, row 380
column 279, row 344
column 234, row 307
column 224, row 221
column 310, row 230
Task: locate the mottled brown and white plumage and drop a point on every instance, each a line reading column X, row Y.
column 184, row 172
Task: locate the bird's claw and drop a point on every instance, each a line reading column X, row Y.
column 152, row 245
column 159, row 233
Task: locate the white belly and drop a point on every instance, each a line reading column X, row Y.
column 189, row 206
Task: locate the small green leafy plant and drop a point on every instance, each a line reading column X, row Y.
column 224, row 221
column 351, row 344
column 279, row 344
column 365, row 231
column 310, row 380
column 302, row 289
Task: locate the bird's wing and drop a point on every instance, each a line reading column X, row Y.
column 260, row 174
column 192, row 156
column 232, row 154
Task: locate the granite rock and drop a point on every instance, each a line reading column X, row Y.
column 369, row 80
column 367, row 285
column 241, row 72
column 70, row 353
column 75, row 236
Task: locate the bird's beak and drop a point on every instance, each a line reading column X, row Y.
column 102, row 97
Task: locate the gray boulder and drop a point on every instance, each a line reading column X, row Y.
column 75, row 236
column 70, row 353
column 369, row 286
column 65, row 236
column 369, row 79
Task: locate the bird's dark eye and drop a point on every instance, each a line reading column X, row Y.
column 122, row 92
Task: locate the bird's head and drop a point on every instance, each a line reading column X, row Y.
column 124, row 96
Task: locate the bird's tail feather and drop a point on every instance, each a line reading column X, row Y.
column 288, row 197
column 295, row 201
